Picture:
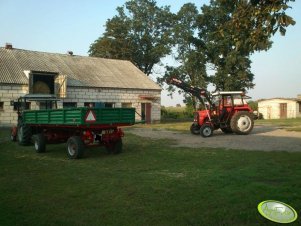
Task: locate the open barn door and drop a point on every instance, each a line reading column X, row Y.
column 61, row 86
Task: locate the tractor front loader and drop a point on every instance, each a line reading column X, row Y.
column 225, row 110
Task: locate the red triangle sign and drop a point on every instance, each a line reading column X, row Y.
column 90, row 116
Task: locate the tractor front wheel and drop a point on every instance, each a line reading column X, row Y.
column 75, row 147
column 195, row 129
column 206, row 130
column 242, row 122
column 39, row 142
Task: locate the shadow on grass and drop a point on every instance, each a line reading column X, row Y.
column 150, row 183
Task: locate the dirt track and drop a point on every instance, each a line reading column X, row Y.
column 264, row 138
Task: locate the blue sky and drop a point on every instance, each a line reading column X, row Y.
column 61, row 25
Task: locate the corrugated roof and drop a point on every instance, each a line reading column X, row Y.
column 280, row 98
column 80, row 70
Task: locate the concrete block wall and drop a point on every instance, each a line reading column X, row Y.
column 81, row 95
column 270, row 109
column 117, row 96
column 8, row 93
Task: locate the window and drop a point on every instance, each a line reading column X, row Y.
column 299, row 107
column 227, row 100
column 17, row 104
column 238, row 100
column 1, row 106
column 89, row 104
column 46, row 105
column 99, row 105
column 109, row 105
column 126, row 105
column 69, row 105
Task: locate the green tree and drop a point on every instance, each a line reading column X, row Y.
column 231, row 31
column 253, row 105
column 191, row 60
column 139, row 33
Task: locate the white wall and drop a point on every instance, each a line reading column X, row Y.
column 81, row 95
column 117, row 96
column 270, row 109
column 7, row 93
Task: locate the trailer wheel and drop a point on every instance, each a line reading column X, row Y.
column 242, row 123
column 114, row 147
column 195, row 129
column 75, row 147
column 39, row 141
column 226, row 130
column 206, row 130
column 24, row 134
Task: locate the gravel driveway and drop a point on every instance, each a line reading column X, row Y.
column 264, row 138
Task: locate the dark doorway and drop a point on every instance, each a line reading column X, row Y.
column 42, row 83
column 146, row 112
column 283, row 110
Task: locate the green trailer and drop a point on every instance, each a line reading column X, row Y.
column 81, row 116
column 79, row 127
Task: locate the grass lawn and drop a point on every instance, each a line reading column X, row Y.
column 150, row 183
column 289, row 124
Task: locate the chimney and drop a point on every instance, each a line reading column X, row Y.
column 299, row 96
column 8, row 46
column 70, row 53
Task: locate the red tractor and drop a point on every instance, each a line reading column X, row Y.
column 225, row 110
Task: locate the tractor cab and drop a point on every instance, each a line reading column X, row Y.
column 225, row 103
column 45, row 101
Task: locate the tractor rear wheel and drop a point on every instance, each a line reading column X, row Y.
column 114, row 147
column 206, row 130
column 242, row 122
column 195, row 129
column 24, row 134
column 39, row 142
column 75, row 147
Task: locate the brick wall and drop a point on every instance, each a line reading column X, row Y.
column 7, row 93
column 117, row 96
column 81, row 95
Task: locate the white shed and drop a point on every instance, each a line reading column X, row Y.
column 279, row 108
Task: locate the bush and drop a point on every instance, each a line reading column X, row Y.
column 176, row 114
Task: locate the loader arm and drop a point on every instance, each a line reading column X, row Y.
column 199, row 93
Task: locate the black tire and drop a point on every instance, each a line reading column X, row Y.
column 39, row 141
column 75, row 147
column 242, row 122
column 226, row 130
column 24, row 134
column 206, row 130
column 115, row 147
column 195, row 129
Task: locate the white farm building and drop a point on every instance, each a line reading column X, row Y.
column 280, row 108
column 78, row 80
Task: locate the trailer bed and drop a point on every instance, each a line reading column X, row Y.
column 81, row 116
